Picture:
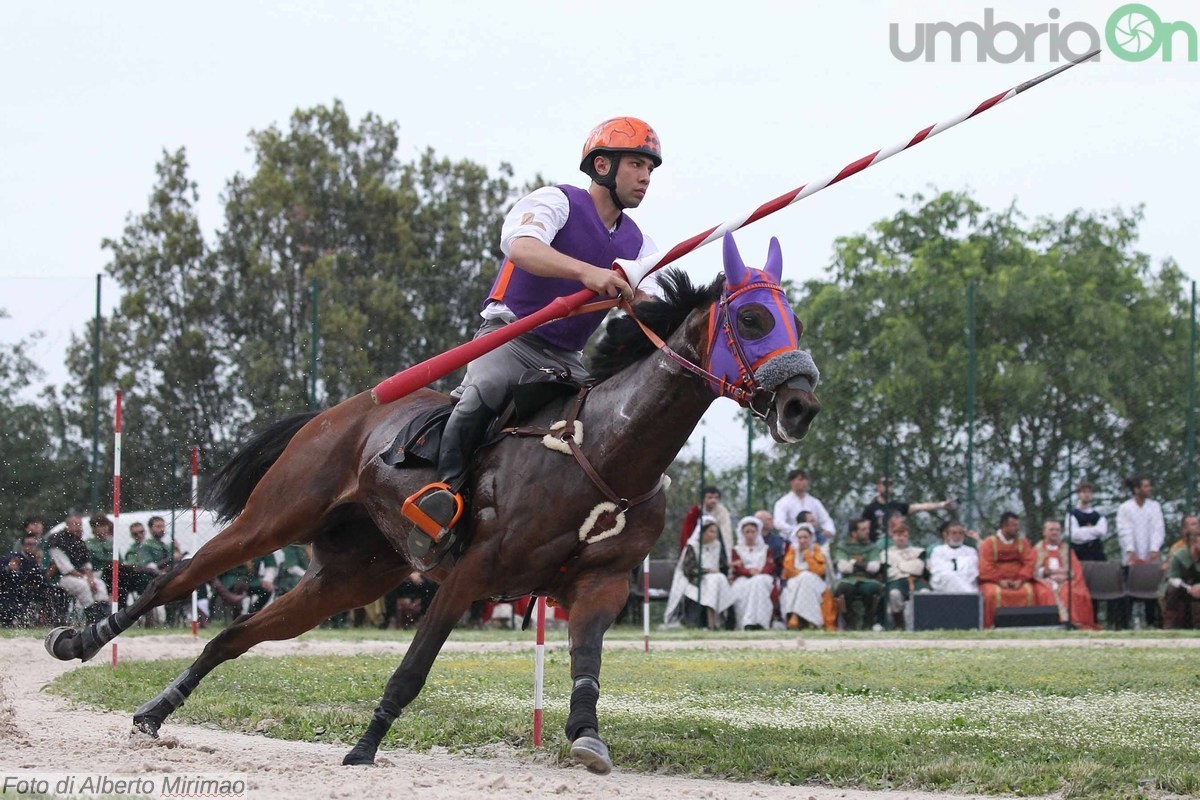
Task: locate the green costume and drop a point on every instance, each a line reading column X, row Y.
column 860, row 587
column 295, row 563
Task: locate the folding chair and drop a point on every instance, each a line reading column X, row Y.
column 1106, row 582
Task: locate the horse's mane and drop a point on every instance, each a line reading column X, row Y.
column 623, row 342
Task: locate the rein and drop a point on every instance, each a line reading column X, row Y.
column 566, row 435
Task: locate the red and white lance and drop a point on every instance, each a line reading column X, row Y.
column 430, row 370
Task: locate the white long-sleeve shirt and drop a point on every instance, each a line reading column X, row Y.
column 1078, row 534
column 787, row 512
column 954, row 569
column 540, row 215
column 1140, row 529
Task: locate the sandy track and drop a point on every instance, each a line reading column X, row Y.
column 42, row 732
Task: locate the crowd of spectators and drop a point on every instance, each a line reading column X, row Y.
column 790, row 569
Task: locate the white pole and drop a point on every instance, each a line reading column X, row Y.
column 195, row 501
column 539, row 661
column 646, row 601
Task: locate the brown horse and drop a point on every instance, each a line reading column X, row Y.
column 537, row 522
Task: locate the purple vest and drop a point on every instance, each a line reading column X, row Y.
column 583, row 237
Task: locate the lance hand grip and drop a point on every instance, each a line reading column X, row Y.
column 440, row 366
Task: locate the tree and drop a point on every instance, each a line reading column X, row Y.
column 40, row 471
column 1080, row 344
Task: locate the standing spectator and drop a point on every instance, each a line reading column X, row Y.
column 861, row 584
column 1087, row 528
column 1006, row 566
column 788, row 508
column 1059, row 570
column 905, row 570
column 72, row 563
column 701, row 575
column 803, row 598
column 753, row 572
column 1140, row 526
column 953, row 565
column 711, row 507
column 886, row 505
column 1142, row 533
column 1181, row 592
column 773, row 539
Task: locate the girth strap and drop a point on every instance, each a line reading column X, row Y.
column 566, row 434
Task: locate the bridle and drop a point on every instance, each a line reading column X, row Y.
column 745, row 390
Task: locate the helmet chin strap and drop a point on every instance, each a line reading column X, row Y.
column 609, row 181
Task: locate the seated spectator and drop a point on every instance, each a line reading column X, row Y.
column 412, row 598
column 1006, row 566
column 905, row 570
column 753, row 572
column 701, row 575
column 861, row 583
column 1189, row 527
column 12, row 591
column 803, row 598
column 31, row 525
column 135, row 577
column 1181, row 592
column 71, row 563
column 1058, row 569
column 100, row 546
column 953, row 565
column 45, row 603
column 295, row 563
column 773, row 539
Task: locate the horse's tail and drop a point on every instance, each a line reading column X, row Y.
column 230, row 489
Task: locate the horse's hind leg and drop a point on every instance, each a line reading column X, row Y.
column 337, row 581
column 593, row 605
column 258, row 531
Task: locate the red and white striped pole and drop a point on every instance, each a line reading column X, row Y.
column 443, row 364
column 116, row 567
column 539, row 664
column 646, row 601
column 195, row 502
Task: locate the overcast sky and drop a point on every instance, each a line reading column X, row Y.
column 750, row 100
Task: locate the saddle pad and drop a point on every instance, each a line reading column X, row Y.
column 419, row 440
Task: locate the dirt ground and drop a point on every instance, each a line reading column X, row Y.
column 44, row 733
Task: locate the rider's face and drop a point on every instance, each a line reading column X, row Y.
column 633, row 178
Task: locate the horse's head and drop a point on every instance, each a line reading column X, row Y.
column 754, row 347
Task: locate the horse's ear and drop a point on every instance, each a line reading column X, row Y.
column 735, row 269
column 774, row 266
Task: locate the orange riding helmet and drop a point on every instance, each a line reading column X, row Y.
column 620, row 135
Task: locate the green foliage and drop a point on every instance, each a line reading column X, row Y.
column 1080, row 344
column 996, row 721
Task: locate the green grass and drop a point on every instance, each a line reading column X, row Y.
column 1086, row 722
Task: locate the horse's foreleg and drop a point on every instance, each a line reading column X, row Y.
column 593, row 605
column 453, row 598
column 341, row 583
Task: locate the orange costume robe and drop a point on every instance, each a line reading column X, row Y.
column 1074, row 595
column 817, row 566
column 1014, row 561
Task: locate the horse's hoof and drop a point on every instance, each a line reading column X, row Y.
column 592, row 753
column 58, row 643
column 358, row 758
column 147, row 726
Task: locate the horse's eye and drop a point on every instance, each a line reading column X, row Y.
column 754, row 321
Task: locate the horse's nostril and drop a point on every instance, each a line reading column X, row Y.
column 793, row 410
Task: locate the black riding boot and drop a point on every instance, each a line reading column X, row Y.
column 464, row 433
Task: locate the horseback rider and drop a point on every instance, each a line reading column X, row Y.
column 556, row 241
